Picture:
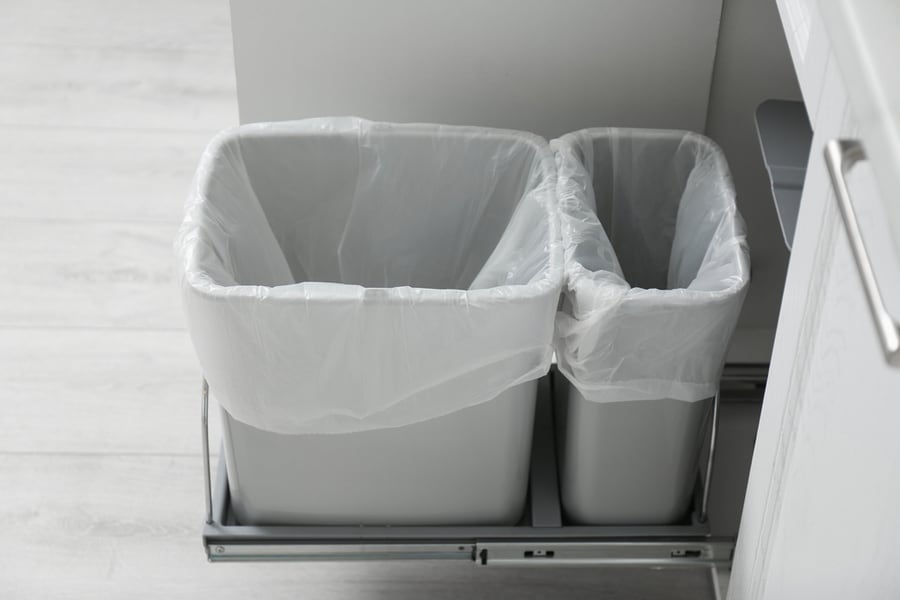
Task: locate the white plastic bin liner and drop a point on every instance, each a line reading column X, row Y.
column 653, row 294
column 340, row 275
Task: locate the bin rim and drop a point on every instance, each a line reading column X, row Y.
column 201, row 283
column 576, row 272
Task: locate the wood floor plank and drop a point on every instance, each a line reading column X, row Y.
column 112, row 87
column 95, row 391
column 58, row 274
column 128, row 527
column 198, row 25
column 97, row 174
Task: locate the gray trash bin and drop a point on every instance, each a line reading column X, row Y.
column 372, row 304
column 656, row 271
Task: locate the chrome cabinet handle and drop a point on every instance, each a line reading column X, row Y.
column 840, row 156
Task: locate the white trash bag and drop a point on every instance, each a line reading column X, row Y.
column 654, row 286
column 340, row 275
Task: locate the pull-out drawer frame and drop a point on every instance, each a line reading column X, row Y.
column 542, row 538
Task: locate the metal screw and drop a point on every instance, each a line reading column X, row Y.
column 220, row 549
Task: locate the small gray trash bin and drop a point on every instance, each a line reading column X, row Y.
column 657, row 267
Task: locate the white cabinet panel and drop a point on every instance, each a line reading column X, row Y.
column 546, row 67
column 836, row 529
column 809, row 48
column 820, row 518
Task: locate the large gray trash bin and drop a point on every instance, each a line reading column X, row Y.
column 466, row 468
column 656, row 271
column 372, row 304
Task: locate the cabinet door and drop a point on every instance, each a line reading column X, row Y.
column 822, row 513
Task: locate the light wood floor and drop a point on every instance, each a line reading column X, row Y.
column 105, row 106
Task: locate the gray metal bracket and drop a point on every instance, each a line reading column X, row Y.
column 785, row 137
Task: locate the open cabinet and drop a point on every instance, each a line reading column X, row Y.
column 701, row 65
column 820, row 518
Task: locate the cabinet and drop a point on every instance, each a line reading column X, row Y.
column 819, row 512
column 821, row 515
